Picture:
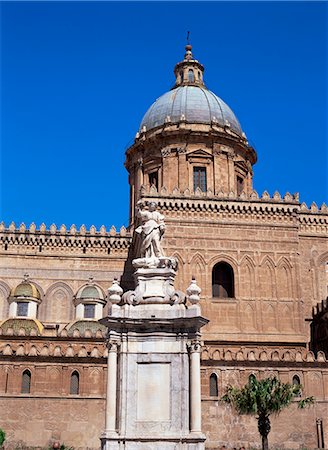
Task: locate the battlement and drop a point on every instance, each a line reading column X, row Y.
column 221, row 195
column 61, row 237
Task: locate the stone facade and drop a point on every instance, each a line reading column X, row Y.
column 275, row 247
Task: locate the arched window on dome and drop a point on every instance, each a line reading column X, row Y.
column 75, row 383
column 223, row 281
column 191, row 76
column 181, row 76
column 89, row 302
column 24, row 300
column 214, row 391
column 199, row 75
column 26, row 382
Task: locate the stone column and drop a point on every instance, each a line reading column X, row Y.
column 195, row 392
column 111, row 396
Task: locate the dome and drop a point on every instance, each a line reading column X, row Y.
column 90, row 292
column 189, row 101
column 26, row 289
column 191, row 104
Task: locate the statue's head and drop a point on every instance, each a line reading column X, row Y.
column 152, row 206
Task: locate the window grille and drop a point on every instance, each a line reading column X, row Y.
column 191, row 76
column 89, row 311
column 22, row 309
column 26, row 382
column 200, row 178
column 214, row 391
column 75, row 383
column 223, row 281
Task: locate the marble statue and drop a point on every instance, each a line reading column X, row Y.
column 150, row 231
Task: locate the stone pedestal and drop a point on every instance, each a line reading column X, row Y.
column 153, row 394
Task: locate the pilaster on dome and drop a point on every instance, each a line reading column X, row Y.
column 189, row 72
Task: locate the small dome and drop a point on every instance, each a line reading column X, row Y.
column 90, row 292
column 26, row 289
column 191, row 104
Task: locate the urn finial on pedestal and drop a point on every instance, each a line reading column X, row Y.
column 115, row 292
column 193, row 292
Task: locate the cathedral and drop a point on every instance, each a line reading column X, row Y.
column 260, row 261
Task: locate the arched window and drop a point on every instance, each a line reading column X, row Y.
column 75, row 383
column 252, row 377
column 191, row 76
column 26, row 382
column 214, row 391
column 199, row 77
column 181, row 76
column 223, row 281
column 296, row 379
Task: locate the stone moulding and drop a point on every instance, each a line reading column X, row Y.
column 53, row 349
column 212, row 353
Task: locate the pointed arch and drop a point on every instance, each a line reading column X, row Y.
column 214, row 389
column 247, row 277
column 26, row 382
column 180, row 272
column 75, row 383
column 267, row 277
column 284, row 278
column 198, row 270
column 286, row 318
column 4, row 305
column 95, row 381
column 321, row 275
column 269, row 317
column 248, row 317
column 58, row 303
column 246, row 259
column 267, row 260
column 197, row 257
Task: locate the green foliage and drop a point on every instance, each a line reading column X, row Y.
column 264, row 397
column 2, row 436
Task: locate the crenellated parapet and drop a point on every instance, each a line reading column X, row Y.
column 265, row 208
column 80, row 240
column 313, row 220
column 220, row 194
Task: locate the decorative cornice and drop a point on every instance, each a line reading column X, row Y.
column 213, row 353
column 54, row 349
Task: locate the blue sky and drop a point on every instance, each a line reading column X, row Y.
column 78, row 77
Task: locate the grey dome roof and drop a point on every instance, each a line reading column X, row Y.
column 193, row 104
